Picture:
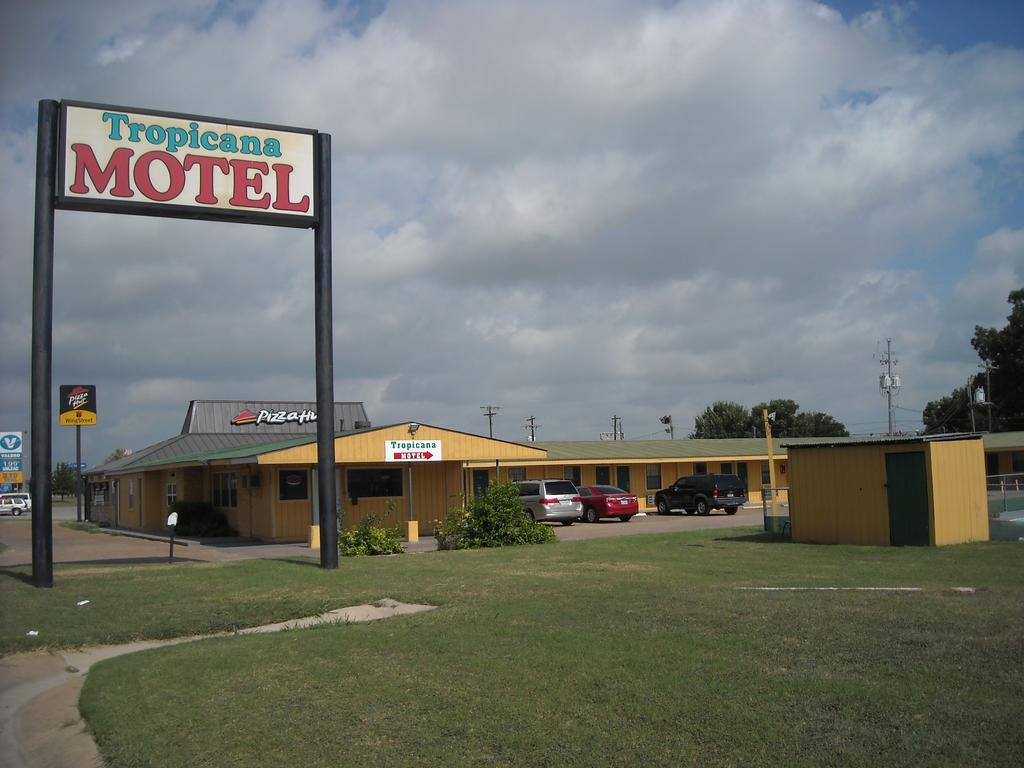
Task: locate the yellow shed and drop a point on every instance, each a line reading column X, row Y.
column 924, row 491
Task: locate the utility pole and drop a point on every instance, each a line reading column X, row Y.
column 532, row 428
column 987, row 402
column 616, row 433
column 970, row 400
column 667, row 420
column 489, row 412
column 889, row 381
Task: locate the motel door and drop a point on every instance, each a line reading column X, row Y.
column 907, row 484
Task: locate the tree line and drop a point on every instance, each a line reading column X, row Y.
column 726, row 418
column 1002, row 352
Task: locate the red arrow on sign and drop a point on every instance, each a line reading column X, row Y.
column 412, row 456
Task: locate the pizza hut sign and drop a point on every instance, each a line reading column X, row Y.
column 158, row 163
column 249, row 418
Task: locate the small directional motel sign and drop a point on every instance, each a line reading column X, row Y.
column 412, row 450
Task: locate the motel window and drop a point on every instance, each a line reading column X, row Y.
column 225, row 490
column 516, row 474
column 991, row 463
column 374, row 483
column 573, row 474
column 653, row 477
column 726, row 468
column 766, row 475
column 1017, row 461
column 700, row 468
column 622, row 478
column 603, row 475
column 131, row 494
column 172, row 490
column 293, row 485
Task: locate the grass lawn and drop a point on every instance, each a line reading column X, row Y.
column 627, row 651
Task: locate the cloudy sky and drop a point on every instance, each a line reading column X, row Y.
column 571, row 209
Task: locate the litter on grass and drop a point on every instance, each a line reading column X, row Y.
column 32, row 632
column 80, row 603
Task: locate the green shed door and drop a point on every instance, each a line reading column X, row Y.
column 907, row 483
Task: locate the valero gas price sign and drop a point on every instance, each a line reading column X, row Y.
column 126, row 160
column 77, row 405
column 412, row 450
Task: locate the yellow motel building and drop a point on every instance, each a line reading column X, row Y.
column 257, row 463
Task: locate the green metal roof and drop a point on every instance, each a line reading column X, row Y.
column 231, row 453
column 584, row 450
column 614, row 450
column 1003, row 441
column 846, row 442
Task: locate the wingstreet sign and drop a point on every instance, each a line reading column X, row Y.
column 412, row 450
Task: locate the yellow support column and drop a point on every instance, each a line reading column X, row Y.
column 412, row 531
column 314, row 537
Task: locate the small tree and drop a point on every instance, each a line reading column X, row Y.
column 62, row 481
column 115, row 454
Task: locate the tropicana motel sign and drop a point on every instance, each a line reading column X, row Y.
column 112, row 159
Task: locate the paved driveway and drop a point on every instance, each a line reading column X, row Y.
column 658, row 524
column 70, row 546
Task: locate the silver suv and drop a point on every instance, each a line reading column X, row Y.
column 550, row 500
column 12, row 505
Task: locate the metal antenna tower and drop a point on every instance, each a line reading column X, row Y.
column 532, row 428
column 616, row 429
column 889, row 381
column 489, row 412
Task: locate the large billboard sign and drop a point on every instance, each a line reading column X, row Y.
column 125, row 160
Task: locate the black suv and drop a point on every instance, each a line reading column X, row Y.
column 701, row 494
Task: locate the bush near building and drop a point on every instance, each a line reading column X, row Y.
column 495, row 518
column 368, row 538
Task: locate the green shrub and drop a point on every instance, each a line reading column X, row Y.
column 200, row 519
column 368, row 538
column 493, row 519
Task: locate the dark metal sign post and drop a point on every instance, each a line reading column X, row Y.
column 42, row 345
column 324, row 313
column 199, row 136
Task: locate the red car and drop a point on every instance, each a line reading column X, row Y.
column 607, row 501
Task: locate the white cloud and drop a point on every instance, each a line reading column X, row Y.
column 570, row 209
